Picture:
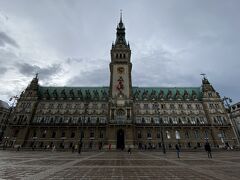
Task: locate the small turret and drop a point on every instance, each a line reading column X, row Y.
column 206, row 86
column 34, row 83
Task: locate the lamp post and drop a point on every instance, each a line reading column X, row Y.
column 227, row 102
column 156, row 107
column 81, row 135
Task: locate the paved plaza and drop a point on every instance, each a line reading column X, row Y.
column 118, row 165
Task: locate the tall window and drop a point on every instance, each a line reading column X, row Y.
column 206, row 134
column 101, row 134
column 139, row 135
column 158, row 135
column 91, row 134
column 53, row 134
column 149, row 134
column 177, row 134
column 196, row 134
column 168, row 135
column 187, row 135
column 72, row 135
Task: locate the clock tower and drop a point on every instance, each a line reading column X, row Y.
column 120, row 104
column 120, row 66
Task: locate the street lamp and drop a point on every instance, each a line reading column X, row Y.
column 156, row 107
column 81, row 135
column 227, row 102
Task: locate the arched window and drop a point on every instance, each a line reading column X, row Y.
column 120, row 112
column 120, row 55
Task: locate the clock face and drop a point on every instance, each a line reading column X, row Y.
column 120, row 70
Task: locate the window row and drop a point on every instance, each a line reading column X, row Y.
column 54, row 134
column 220, row 120
column 157, row 106
column 172, row 120
column 69, row 119
column 72, row 105
column 25, row 105
column 197, row 134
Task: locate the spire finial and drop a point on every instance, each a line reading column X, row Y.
column 203, row 75
column 120, row 15
column 36, row 76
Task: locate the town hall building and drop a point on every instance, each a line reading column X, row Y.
column 120, row 115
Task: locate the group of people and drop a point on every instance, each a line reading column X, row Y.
column 207, row 148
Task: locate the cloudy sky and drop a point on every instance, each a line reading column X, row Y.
column 68, row 42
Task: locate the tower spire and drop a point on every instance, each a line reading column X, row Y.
column 120, row 39
column 120, row 15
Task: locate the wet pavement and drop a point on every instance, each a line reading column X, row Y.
column 118, row 165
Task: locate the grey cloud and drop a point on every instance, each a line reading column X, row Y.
column 3, row 70
column 44, row 73
column 5, row 39
column 95, row 77
column 205, row 31
column 71, row 60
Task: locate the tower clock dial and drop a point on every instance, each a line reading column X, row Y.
column 120, row 70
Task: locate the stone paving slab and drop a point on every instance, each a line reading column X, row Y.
column 9, row 172
column 124, row 163
column 128, row 173
column 119, row 165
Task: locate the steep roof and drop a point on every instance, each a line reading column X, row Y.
column 141, row 93
column 95, row 93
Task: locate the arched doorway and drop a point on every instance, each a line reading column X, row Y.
column 120, row 139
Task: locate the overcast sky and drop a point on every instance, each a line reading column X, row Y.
column 68, row 42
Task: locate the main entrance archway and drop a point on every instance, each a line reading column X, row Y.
column 120, row 139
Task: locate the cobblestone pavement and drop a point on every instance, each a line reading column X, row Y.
column 118, row 165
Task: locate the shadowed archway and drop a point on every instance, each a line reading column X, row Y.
column 120, row 139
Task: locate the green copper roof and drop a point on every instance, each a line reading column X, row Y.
column 83, row 93
column 141, row 93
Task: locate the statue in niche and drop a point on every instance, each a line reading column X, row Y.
column 120, row 85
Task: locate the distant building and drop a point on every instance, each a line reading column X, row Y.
column 235, row 115
column 4, row 113
column 120, row 115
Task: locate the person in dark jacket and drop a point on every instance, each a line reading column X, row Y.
column 208, row 149
column 178, row 150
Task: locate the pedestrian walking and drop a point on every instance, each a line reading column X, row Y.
column 53, row 148
column 73, row 148
column 80, row 148
column 177, row 150
column 208, row 149
column 129, row 150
